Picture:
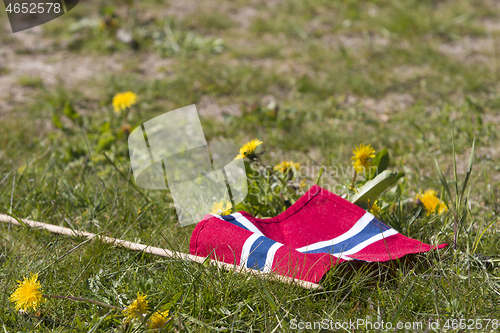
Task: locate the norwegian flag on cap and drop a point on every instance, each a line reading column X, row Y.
column 318, row 231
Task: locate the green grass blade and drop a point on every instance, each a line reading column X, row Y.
column 270, row 299
column 455, row 176
column 16, row 218
column 96, row 326
column 469, row 170
column 396, row 315
column 481, row 236
column 442, row 179
column 319, row 176
column 452, row 204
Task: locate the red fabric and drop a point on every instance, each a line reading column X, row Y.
column 318, row 216
column 206, row 240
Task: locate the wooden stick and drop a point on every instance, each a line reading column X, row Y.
column 159, row 251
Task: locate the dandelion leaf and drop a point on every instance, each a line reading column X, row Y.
column 381, row 161
column 373, row 188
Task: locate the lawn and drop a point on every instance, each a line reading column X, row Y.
column 311, row 79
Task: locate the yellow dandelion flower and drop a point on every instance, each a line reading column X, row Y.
column 221, row 208
column 158, row 320
column 248, row 150
column 28, row 294
column 138, row 308
column 375, row 209
column 284, row 166
column 431, row 202
column 124, row 100
column 361, row 157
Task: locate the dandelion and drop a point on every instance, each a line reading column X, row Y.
column 284, row 166
column 158, row 320
column 124, row 100
column 138, row 308
column 248, row 150
column 221, row 208
column 361, row 157
column 375, row 209
column 28, row 294
column 431, row 202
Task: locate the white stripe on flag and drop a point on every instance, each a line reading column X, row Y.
column 367, row 242
column 246, row 222
column 356, row 228
column 270, row 257
column 245, row 252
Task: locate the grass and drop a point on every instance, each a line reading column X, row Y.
column 390, row 74
column 33, row 82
